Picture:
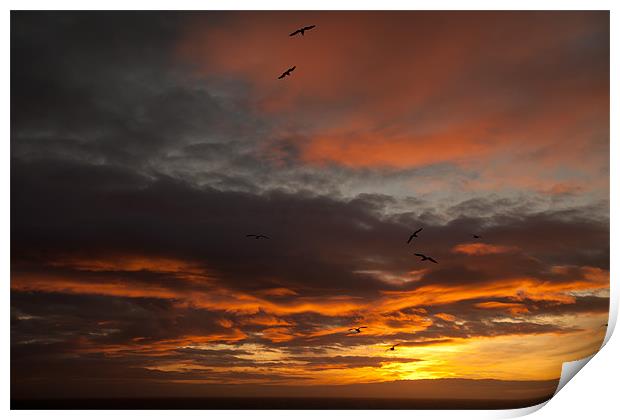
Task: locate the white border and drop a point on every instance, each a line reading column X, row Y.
column 572, row 408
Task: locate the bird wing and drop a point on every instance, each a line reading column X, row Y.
column 263, row 236
column 420, row 255
column 292, row 68
column 363, row 327
column 282, row 76
column 410, row 238
column 295, row 33
column 351, row 329
column 418, row 231
column 433, row 260
column 249, row 236
column 309, row 27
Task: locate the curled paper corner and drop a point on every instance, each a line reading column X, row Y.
column 519, row 412
column 570, row 369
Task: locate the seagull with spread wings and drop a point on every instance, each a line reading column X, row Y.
column 392, row 348
column 425, row 258
column 414, row 235
column 302, row 30
column 357, row 330
column 287, row 73
column 258, row 236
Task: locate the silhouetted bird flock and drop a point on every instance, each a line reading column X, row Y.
column 424, row 257
column 354, row 330
column 298, row 31
column 358, row 330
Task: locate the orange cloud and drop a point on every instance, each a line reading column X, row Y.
column 418, row 103
column 278, row 334
column 512, row 308
column 389, row 313
column 365, row 148
column 185, row 270
column 445, row 317
column 127, row 263
column 383, row 315
column 145, row 346
column 279, row 291
column 532, row 288
column 266, row 319
column 216, row 297
column 479, row 248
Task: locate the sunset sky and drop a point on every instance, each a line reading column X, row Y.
column 145, row 146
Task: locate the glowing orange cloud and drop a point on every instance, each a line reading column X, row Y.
column 512, row 308
column 479, row 248
column 445, row 317
column 382, row 314
column 414, row 103
column 435, row 358
column 278, row 334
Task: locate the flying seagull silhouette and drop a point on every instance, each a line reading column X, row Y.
column 392, row 348
column 302, row 30
column 414, row 234
column 424, row 258
column 287, row 73
column 357, row 330
column 258, row 236
column 476, row 236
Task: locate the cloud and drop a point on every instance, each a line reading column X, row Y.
column 512, row 308
column 456, row 106
column 479, row 248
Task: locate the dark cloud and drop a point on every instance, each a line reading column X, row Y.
column 314, row 238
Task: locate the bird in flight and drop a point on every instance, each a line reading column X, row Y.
column 357, row 330
column 424, row 258
column 414, row 235
column 287, row 73
column 477, row 236
column 258, row 236
column 392, row 348
column 302, row 30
